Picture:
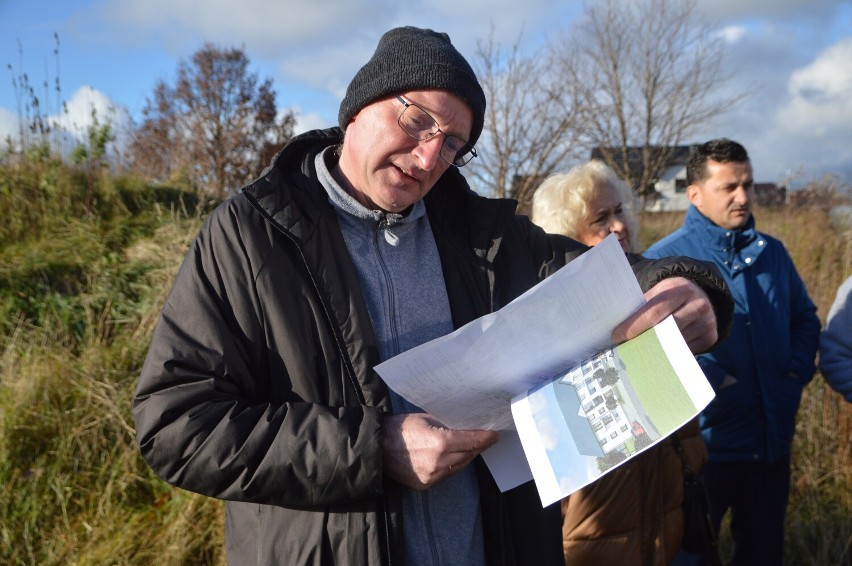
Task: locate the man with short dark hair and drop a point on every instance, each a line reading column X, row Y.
column 259, row 386
column 760, row 370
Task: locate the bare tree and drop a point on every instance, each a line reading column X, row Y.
column 211, row 127
column 654, row 72
column 529, row 123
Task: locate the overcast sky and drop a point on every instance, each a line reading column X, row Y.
column 793, row 56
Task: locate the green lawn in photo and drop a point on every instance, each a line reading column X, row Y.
column 655, row 381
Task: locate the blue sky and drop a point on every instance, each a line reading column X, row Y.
column 794, row 57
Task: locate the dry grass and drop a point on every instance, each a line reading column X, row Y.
column 74, row 490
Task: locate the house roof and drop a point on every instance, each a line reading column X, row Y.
column 679, row 154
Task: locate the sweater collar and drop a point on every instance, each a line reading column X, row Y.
column 346, row 203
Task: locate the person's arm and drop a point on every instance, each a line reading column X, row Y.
column 203, row 419
column 835, row 343
column 696, row 294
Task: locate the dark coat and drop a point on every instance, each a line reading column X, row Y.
column 259, row 387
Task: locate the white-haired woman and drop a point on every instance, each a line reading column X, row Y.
column 632, row 515
column 587, row 203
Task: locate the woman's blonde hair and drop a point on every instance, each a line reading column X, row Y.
column 561, row 201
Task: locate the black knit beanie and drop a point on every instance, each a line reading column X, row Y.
column 410, row 58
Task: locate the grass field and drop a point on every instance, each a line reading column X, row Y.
column 85, row 264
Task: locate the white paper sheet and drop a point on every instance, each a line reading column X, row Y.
column 468, row 379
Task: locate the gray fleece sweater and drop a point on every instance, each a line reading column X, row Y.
column 400, row 274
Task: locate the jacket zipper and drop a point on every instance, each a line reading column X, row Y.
column 383, row 225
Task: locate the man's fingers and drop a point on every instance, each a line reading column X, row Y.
column 465, row 445
column 681, row 298
column 662, row 300
column 419, row 451
column 474, row 441
column 650, row 314
column 699, row 332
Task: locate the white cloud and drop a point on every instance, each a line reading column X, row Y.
column 72, row 125
column 811, row 129
column 77, row 118
column 266, row 26
column 796, row 114
column 320, row 44
column 8, row 126
column 820, row 95
column 329, row 68
column 298, row 24
column 732, row 34
column 311, row 121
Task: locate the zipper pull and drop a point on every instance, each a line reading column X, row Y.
column 391, row 238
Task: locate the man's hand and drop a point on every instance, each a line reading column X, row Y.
column 419, row 451
column 688, row 303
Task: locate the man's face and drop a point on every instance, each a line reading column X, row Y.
column 724, row 197
column 382, row 166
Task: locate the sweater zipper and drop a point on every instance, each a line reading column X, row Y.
column 424, row 499
column 380, row 228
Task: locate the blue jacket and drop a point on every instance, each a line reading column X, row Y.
column 772, row 345
column 835, row 343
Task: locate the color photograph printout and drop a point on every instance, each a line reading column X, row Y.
column 606, row 410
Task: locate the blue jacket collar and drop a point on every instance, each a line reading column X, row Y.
column 716, row 236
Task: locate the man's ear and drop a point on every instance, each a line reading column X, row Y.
column 693, row 193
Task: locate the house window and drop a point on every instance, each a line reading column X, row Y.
column 680, row 185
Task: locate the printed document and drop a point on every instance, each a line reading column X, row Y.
column 469, row 378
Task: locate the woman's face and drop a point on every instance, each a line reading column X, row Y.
column 604, row 215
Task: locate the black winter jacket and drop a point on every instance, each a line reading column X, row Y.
column 259, row 389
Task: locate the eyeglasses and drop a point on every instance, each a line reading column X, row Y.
column 419, row 125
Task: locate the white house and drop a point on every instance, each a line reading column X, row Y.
column 670, row 185
column 670, row 190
